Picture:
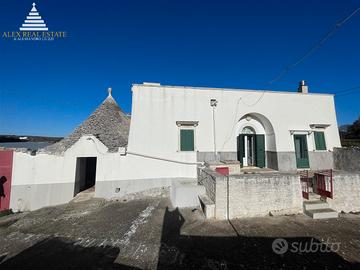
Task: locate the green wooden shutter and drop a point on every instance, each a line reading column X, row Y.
column 186, row 140
column 260, row 151
column 319, row 140
column 241, row 148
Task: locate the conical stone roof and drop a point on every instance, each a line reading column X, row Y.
column 108, row 123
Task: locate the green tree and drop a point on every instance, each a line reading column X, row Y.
column 354, row 130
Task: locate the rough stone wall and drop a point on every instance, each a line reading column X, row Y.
column 257, row 195
column 347, row 159
column 207, row 178
column 249, row 195
column 346, row 192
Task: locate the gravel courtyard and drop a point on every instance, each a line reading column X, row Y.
column 149, row 234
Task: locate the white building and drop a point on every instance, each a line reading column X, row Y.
column 172, row 130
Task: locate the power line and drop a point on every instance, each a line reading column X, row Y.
column 315, row 47
column 346, row 91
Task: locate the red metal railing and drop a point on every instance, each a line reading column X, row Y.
column 324, row 183
column 305, row 184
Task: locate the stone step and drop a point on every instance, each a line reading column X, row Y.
column 84, row 195
column 322, row 213
column 314, row 205
column 207, row 206
column 314, row 196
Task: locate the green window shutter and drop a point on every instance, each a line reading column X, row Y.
column 260, row 151
column 241, row 148
column 320, row 140
column 186, row 140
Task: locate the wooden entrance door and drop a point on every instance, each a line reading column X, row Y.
column 301, row 151
column 258, row 149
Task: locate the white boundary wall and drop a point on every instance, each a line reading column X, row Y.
column 45, row 179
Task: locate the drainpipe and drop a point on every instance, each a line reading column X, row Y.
column 164, row 159
column 213, row 104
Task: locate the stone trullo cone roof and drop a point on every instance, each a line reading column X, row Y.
column 108, row 123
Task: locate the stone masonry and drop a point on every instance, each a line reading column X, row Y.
column 250, row 195
column 346, row 192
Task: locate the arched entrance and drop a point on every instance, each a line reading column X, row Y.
column 255, row 140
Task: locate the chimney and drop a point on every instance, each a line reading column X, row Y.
column 303, row 88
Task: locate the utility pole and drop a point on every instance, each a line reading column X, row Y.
column 213, row 104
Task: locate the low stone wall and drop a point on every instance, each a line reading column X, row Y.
column 250, row 195
column 346, row 192
column 259, row 194
column 347, row 159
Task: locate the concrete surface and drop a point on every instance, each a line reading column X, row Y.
column 286, row 161
column 319, row 209
column 186, row 193
column 34, row 196
column 325, row 213
column 147, row 234
column 120, row 188
column 321, row 160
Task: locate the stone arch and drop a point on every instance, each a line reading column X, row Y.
column 262, row 125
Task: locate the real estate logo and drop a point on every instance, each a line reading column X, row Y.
column 34, row 28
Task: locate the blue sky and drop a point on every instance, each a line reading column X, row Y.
column 48, row 88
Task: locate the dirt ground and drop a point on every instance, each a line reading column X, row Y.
column 149, row 234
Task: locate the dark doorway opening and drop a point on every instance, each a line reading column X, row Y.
column 251, row 147
column 85, row 175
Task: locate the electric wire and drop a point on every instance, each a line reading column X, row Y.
column 320, row 43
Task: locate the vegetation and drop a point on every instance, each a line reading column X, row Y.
column 351, row 137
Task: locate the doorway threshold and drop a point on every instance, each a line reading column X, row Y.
column 84, row 195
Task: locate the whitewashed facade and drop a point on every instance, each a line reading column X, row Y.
column 154, row 155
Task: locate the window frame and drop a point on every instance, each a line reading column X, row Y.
column 186, row 125
column 315, row 144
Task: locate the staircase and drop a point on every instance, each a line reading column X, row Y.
column 318, row 209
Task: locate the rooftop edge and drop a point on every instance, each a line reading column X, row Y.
column 158, row 85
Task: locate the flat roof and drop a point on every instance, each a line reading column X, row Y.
column 158, row 85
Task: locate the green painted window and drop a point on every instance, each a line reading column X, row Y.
column 319, row 140
column 187, row 140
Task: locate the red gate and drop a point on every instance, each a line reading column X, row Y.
column 305, row 184
column 6, row 162
column 324, row 183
